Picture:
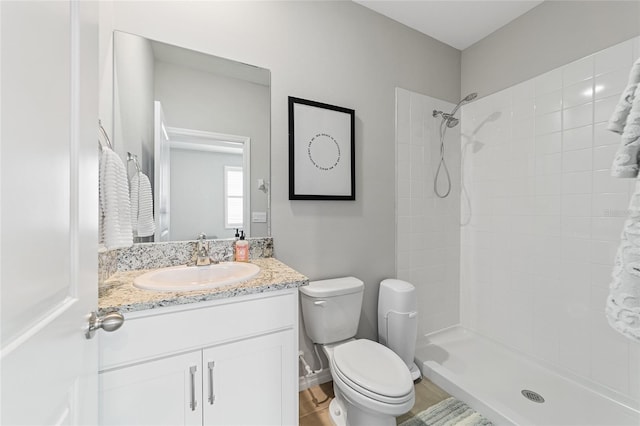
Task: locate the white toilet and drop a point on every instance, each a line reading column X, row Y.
column 372, row 385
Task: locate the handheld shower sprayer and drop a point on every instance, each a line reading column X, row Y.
column 448, row 121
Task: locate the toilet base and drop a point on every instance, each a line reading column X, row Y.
column 415, row 372
column 337, row 413
column 345, row 413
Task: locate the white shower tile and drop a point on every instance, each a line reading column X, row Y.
column 577, row 161
column 576, row 205
column 573, row 347
column 523, row 108
column 615, row 57
column 525, row 90
column 576, row 227
column 404, row 188
column 634, row 350
column 577, row 71
column 576, row 182
column 548, row 82
column 578, row 138
column 612, row 83
column 603, row 253
column 548, row 123
column 577, row 116
column 601, row 274
column 547, row 164
column 549, row 143
column 606, row 228
column 575, row 249
column 402, row 153
column 403, row 116
column 417, row 189
column 577, row 94
column 602, row 136
column 609, row 205
column 548, row 102
column 404, row 206
column 609, row 354
column 603, row 156
column 604, row 108
column 548, row 184
column 523, row 129
column 604, row 182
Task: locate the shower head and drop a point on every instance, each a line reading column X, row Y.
column 470, row 97
column 449, row 119
column 466, row 99
column 452, row 122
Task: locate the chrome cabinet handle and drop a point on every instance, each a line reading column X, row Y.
column 109, row 322
column 212, row 397
column 193, row 403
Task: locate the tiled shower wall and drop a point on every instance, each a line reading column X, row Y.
column 428, row 229
column 542, row 218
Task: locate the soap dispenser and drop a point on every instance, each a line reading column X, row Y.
column 242, row 249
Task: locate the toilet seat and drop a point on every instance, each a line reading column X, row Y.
column 372, row 370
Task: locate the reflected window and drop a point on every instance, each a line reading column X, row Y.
column 233, row 202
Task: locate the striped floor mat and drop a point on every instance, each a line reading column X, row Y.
column 450, row 412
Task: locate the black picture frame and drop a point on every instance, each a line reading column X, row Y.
column 321, row 151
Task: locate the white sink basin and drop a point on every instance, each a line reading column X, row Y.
column 188, row 278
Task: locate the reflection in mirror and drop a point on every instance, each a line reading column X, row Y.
column 200, row 127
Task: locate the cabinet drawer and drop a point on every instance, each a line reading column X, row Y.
column 159, row 332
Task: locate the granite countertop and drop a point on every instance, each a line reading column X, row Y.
column 118, row 293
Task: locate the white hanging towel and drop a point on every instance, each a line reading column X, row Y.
column 142, row 206
column 623, row 302
column 115, row 210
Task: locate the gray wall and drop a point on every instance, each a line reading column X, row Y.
column 335, row 52
column 547, row 37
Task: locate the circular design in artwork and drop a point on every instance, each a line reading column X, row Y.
column 323, row 151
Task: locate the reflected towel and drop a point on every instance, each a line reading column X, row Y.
column 142, row 206
column 115, row 210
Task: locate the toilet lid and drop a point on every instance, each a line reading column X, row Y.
column 373, row 367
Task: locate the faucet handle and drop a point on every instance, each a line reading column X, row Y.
column 202, row 236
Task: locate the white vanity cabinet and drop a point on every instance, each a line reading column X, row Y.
column 227, row 362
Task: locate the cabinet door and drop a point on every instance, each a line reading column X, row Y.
column 251, row 382
column 162, row 392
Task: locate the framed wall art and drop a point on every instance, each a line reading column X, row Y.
column 321, row 151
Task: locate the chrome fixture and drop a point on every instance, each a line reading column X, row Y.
column 202, row 251
column 108, row 322
column 448, row 121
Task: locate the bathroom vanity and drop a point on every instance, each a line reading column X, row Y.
column 219, row 357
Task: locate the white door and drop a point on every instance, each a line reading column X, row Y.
column 162, row 175
column 167, row 392
column 48, row 198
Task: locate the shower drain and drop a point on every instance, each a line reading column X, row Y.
column 532, row 396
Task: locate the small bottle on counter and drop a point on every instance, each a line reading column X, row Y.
column 242, row 249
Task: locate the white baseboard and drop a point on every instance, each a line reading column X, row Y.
column 306, row 382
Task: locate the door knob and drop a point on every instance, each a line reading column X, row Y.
column 109, row 322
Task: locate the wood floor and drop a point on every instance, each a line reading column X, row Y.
column 314, row 402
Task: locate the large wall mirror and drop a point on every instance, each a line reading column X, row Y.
column 199, row 127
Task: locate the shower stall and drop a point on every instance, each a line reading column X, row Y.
column 512, row 268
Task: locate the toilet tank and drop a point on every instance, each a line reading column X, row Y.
column 331, row 309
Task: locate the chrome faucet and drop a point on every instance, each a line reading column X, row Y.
column 202, row 251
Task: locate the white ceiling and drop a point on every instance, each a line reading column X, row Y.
column 458, row 23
